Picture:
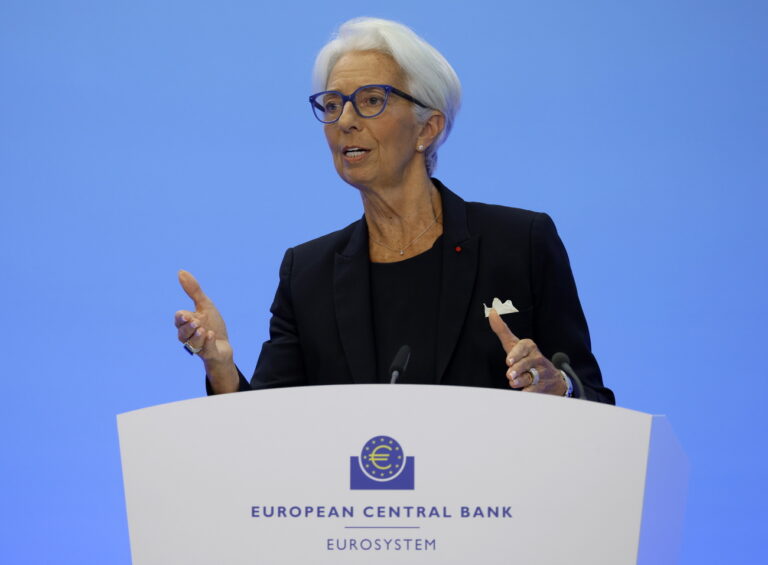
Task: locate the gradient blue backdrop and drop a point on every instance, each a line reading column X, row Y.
column 137, row 138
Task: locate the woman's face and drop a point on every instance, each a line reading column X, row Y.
column 388, row 141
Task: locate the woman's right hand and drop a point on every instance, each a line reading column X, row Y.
column 205, row 329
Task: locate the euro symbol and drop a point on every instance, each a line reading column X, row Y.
column 375, row 457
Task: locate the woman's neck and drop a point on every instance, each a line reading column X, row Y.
column 403, row 221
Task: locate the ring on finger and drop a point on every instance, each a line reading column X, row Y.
column 191, row 349
column 535, row 377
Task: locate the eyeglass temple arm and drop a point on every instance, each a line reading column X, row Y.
column 315, row 103
column 407, row 96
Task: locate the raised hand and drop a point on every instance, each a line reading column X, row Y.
column 524, row 360
column 204, row 330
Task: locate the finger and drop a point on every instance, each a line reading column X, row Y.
column 197, row 339
column 523, row 381
column 522, row 349
column 192, row 288
column 502, row 331
column 183, row 317
column 187, row 330
column 519, row 372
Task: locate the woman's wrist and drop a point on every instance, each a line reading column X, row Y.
column 223, row 376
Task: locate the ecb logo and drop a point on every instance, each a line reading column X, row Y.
column 382, row 465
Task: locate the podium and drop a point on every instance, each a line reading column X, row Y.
column 400, row 474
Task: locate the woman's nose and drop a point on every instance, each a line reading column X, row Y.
column 348, row 117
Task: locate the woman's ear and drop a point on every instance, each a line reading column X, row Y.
column 431, row 129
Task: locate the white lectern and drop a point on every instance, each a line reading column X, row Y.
column 400, row 474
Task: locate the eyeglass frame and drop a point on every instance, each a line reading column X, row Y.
column 388, row 88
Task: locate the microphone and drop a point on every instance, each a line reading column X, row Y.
column 399, row 363
column 563, row 363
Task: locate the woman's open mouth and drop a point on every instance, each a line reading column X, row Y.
column 354, row 153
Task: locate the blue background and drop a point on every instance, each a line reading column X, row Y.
column 137, row 138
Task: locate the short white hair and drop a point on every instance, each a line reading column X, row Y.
column 430, row 78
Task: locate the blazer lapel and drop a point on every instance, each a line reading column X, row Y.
column 352, row 301
column 460, row 260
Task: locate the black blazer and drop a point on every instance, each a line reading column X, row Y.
column 321, row 330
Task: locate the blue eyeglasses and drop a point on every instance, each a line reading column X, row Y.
column 368, row 101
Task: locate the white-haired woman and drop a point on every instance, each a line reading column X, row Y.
column 420, row 266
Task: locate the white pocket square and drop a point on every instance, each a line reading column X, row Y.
column 500, row 307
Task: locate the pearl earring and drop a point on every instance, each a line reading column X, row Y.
column 420, row 148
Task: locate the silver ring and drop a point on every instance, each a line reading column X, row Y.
column 191, row 349
column 535, row 375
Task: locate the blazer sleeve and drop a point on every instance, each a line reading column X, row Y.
column 559, row 323
column 280, row 362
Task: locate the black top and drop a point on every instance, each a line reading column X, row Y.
column 405, row 298
column 321, row 330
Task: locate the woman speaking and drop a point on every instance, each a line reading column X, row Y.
column 422, row 268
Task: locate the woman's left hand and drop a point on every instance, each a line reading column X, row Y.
column 522, row 356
